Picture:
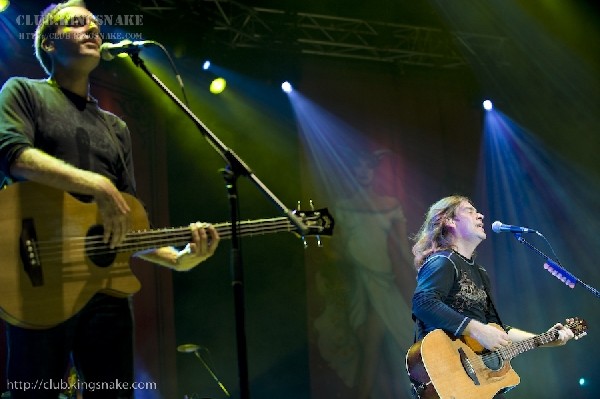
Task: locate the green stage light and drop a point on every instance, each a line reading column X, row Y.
column 218, row 85
column 4, row 5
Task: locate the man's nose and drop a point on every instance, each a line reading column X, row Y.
column 92, row 30
column 92, row 26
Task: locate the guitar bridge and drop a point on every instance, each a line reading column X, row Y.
column 29, row 253
column 467, row 366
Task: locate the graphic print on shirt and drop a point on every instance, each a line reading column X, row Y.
column 470, row 295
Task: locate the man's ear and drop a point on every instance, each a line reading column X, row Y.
column 47, row 45
column 449, row 222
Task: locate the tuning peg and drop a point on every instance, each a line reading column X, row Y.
column 299, row 212
column 304, row 242
column 302, row 215
column 312, row 208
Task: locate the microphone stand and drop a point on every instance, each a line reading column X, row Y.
column 235, row 168
column 556, row 269
column 195, row 349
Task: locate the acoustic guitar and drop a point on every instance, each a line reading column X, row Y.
column 54, row 260
column 441, row 366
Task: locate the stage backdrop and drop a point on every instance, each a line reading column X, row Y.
column 383, row 145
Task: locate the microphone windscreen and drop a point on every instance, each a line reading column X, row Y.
column 496, row 226
column 105, row 52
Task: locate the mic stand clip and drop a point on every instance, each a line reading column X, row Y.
column 554, row 268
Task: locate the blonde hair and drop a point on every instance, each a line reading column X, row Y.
column 433, row 234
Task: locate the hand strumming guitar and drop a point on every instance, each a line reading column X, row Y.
column 488, row 336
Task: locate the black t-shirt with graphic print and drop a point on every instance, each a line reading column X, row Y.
column 451, row 291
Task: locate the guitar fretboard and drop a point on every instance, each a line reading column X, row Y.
column 511, row 351
column 179, row 236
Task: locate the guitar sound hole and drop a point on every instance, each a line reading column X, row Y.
column 493, row 361
column 98, row 252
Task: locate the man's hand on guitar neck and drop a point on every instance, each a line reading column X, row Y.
column 564, row 334
column 205, row 240
column 492, row 337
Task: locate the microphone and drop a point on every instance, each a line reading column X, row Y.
column 195, row 349
column 108, row 51
column 499, row 227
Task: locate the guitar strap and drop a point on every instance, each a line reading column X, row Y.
column 4, row 182
column 488, row 290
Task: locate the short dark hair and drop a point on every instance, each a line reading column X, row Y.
column 46, row 26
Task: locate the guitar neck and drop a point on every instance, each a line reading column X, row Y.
column 511, row 351
column 180, row 236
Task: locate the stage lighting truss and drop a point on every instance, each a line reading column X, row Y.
column 156, row 7
column 240, row 26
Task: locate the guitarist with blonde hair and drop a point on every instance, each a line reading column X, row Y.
column 453, row 292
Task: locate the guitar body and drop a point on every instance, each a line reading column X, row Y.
column 438, row 366
column 69, row 277
column 54, row 261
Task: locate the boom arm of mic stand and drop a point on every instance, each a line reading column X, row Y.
column 238, row 166
column 567, row 277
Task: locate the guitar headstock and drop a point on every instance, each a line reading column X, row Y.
column 578, row 326
column 319, row 221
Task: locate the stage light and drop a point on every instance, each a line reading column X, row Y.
column 218, row 85
column 487, row 105
column 287, row 87
column 582, row 382
column 206, row 65
column 4, row 5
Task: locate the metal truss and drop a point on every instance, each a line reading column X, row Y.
column 323, row 35
column 156, row 6
column 239, row 26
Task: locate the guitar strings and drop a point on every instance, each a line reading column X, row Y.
column 516, row 348
column 223, row 229
column 52, row 250
column 143, row 238
column 56, row 252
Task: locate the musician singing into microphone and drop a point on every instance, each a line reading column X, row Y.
column 53, row 132
column 453, row 292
